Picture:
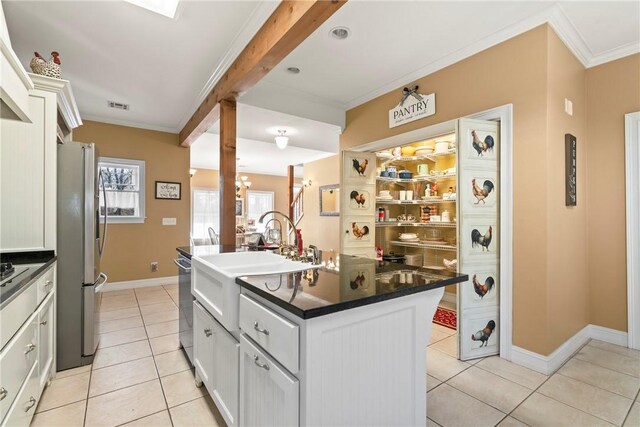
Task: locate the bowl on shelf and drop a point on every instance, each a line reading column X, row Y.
column 405, row 174
column 408, row 236
column 408, row 151
column 424, row 151
column 442, row 146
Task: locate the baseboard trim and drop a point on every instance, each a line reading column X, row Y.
column 551, row 363
column 612, row 336
column 142, row 283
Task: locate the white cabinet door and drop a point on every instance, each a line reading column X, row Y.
column 226, row 376
column 46, row 338
column 203, row 347
column 269, row 395
column 28, row 162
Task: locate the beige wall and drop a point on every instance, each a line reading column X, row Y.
column 567, row 298
column 322, row 231
column 512, row 72
column 613, row 89
column 209, row 178
column 130, row 248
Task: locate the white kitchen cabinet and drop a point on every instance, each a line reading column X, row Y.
column 216, row 355
column 25, row 404
column 269, row 395
column 14, row 80
column 46, row 339
column 28, row 167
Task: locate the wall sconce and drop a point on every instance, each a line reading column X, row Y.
column 306, row 182
column 192, row 172
column 281, row 139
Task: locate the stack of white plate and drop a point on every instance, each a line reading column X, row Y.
column 424, row 151
column 408, row 237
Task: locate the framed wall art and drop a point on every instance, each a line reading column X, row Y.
column 168, row 190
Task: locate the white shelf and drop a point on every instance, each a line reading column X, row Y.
column 413, row 202
column 416, row 224
column 423, row 245
column 409, row 180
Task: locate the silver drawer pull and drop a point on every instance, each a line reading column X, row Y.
column 262, row 331
column 30, row 348
column 207, row 332
column 3, row 393
column 260, row 365
column 43, row 323
column 48, row 283
column 32, row 403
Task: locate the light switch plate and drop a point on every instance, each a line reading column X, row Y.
column 568, row 106
column 168, row 221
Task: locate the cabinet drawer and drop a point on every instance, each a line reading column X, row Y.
column 269, row 395
column 45, row 284
column 14, row 315
column 216, row 293
column 26, row 403
column 17, row 359
column 277, row 335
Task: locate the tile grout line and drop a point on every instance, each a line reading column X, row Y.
column 548, row 397
column 631, row 408
column 595, row 386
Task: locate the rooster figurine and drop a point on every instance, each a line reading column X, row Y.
column 482, row 146
column 482, row 290
column 481, row 193
column 484, row 334
column 479, row 239
column 49, row 68
column 37, row 64
column 360, row 167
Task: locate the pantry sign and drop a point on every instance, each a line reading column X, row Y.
column 412, row 106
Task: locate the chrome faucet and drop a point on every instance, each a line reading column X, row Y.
column 293, row 227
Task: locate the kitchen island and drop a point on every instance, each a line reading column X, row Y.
column 326, row 346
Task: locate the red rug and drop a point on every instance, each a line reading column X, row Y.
column 446, row 318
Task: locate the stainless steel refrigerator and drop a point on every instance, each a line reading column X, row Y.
column 81, row 238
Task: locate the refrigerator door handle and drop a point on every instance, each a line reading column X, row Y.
column 104, row 282
column 106, row 209
column 182, row 267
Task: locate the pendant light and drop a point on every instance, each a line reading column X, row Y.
column 281, row 139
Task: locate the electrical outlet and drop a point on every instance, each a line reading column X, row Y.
column 154, row 266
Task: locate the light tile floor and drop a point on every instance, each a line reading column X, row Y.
column 141, row 378
column 598, row 386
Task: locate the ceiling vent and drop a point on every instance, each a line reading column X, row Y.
column 118, row 105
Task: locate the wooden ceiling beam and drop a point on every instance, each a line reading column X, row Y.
column 289, row 25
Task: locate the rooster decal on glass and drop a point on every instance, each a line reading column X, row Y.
column 359, row 199
column 482, row 146
column 357, row 231
column 483, row 240
column 482, row 289
column 360, row 167
column 481, row 193
column 483, row 334
column 358, row 282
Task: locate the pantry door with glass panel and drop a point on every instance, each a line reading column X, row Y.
column 479, row 236
column 357, row 204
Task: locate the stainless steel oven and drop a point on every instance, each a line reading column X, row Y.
column 185, row 305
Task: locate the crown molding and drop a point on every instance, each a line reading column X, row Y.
column 65, row 99
column 242, row 39
column 137, row 125
column 613, row 54
column 564, row 28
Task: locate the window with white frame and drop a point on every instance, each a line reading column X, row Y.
column 121, row 188
column 259, row 202
column 205, row 213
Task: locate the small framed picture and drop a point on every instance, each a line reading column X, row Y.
column 168, row 190
column 239, row 207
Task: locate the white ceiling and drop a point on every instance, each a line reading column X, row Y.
column 113, row 50
column 255, row 156
column 395, row 42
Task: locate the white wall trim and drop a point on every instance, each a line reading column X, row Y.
column 551, row 363
column 632, row 177
column 142, row 283
column 450, row 298
column 138, row 125
column 505, row 115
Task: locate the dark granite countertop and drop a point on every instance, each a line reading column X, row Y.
column 37, row 262
column 360, row 281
